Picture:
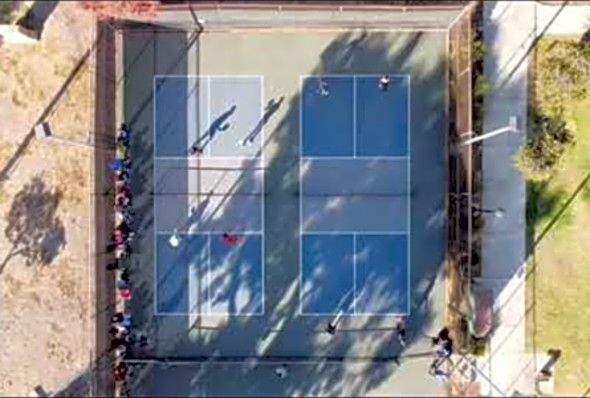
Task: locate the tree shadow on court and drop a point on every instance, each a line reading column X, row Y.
column 282, row 331
column 34, row 230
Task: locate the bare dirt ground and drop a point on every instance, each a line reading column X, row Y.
column 45, row 280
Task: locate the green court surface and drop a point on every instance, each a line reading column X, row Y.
column 276, row 328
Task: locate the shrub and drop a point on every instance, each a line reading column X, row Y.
column 478, row 346
column 117, row 9
column 548, row 139
column 563, row 73
column 478, row 50
column 482, row 86
column 11, row 11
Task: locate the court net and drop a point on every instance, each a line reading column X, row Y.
column 294, row 193
column 257, row 360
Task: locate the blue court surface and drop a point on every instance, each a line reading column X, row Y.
column 204, row 275
column 213, row 113
column 355, row 194
column 208, row 180
column 352, row 117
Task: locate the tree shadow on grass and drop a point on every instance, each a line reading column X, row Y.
column 542, row 203
column 34, row 230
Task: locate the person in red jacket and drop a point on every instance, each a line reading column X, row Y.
column 230, row 239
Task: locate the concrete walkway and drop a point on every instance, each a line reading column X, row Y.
column 509, row 29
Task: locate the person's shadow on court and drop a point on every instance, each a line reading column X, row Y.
column 218, row 125
column 271, row 107
column 197, row 213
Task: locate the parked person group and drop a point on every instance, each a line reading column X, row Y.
column 120, row 330
column 442, row 347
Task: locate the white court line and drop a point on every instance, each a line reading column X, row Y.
column 355, row 315
column 209, row 142
column 178, row 76
column 379, row 75
column 367, row 157
column 208, row 233
column 207, row 158
column 354, row 118
column 301, row 83
column 350, row 75
column 351, row 232
column 347, row 76
column 154, row 212
column 354, row 264
column 263, row 192
column 379, row 233
column 199, row 232
column 409, row 199
column 213, row 233
column 222, row 315
column 209, row 311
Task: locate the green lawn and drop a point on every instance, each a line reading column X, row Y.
column 558, row 294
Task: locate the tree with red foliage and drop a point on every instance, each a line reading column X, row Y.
column 115, row 9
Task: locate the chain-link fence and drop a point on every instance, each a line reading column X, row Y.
column 463, row 172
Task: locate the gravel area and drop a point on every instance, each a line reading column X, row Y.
column 45, row 281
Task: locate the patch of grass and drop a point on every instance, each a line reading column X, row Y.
column 559, row 290
column 585, row 195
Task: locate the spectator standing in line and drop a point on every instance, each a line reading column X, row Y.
column 121, row 318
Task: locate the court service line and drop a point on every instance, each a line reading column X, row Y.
column 207, row 158
column 379, row 75
column 321, row 76
column 368, row 232
column 192, row 184
column 177, row 76
column 367, row 157
column 198, row 232
column 208, row 124
column 409, row 199
column 207, row 233
column 262, row 196
column 301, row 86
column 209, row 310
column 223, row 315
column 352, row 315
column 354, row 273
column 351, row 75
column 154, row 212
column 354, row 109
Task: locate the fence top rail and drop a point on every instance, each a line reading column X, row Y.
column 311, row 6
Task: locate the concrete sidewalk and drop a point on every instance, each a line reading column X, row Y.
column 509, row 29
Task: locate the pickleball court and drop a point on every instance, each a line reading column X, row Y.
column 335, row 201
